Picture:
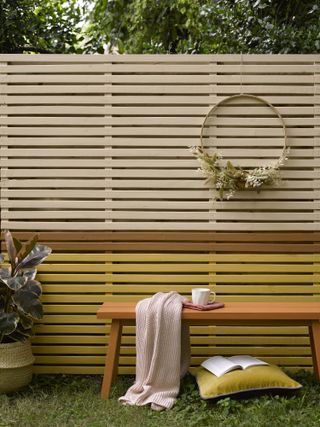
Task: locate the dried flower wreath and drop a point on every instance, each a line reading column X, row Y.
column 226, row 180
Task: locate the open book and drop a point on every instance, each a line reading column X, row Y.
column 220, row 365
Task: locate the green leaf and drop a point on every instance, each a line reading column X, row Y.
column 29, row 303
column 8, row 322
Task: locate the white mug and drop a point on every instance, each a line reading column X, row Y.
column 201, row 296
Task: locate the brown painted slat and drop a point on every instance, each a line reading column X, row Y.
column 174, row 236
column 178, row 241
column 183, row 247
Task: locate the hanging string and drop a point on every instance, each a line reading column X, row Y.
column 314, row 92
column 241, row 76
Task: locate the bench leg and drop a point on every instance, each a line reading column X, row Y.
column 314, row 334
column 112, row 358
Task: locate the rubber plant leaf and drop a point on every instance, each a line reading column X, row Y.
column 8, row 322
column 21, row 334
column 15, row 283
column 33, row 286
column 12, row 253
column 29, row 303
column 4, row 275
column 29, row 274
column 3, row 291
column 25, row 321
column 35, row 257
column 27, row 248
column 17, row 244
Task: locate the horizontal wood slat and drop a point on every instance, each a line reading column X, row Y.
column 156, row 241
column 192, row 242
column 126, row 124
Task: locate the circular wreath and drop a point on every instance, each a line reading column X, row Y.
column 226, row 180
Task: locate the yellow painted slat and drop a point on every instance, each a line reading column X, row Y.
column 194, row 339
column 73, row 309
column 219, row 289
column 69, row 350
column 80, row 370
column 231, row 278
column 66, row 319
column 225, row 298
column 64, row 350
column 84, row 340
column 92, row 370
column 263, row 331
column 81, row 277
column 78, row 293
column 71, row 329
column 230, row 267
column 178, row 257
column 124, row 360
column 178, row 278
column 71, row 360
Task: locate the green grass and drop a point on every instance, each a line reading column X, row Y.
column 65, row 400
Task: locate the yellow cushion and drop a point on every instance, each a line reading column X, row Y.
column 244, row 382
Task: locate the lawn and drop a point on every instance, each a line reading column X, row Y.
column 65, row 400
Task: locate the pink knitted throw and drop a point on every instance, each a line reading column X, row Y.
column 163, row 352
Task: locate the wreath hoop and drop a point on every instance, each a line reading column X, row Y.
column 229, row 179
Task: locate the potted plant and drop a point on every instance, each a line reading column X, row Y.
column 20, row 306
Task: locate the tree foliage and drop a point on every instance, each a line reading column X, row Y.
column 40, row 26
column 160, row 26
column 205, row 26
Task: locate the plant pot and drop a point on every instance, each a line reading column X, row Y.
column 16, row 360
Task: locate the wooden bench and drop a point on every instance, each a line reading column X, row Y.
column 234, row 313
column 248, row 279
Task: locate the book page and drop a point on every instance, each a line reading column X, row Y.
column 245, row 361
column 219, row 365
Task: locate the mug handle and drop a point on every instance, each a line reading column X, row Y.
column 214, row 296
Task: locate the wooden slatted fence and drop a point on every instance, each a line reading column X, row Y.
column 100, row 142
column 99, row 145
